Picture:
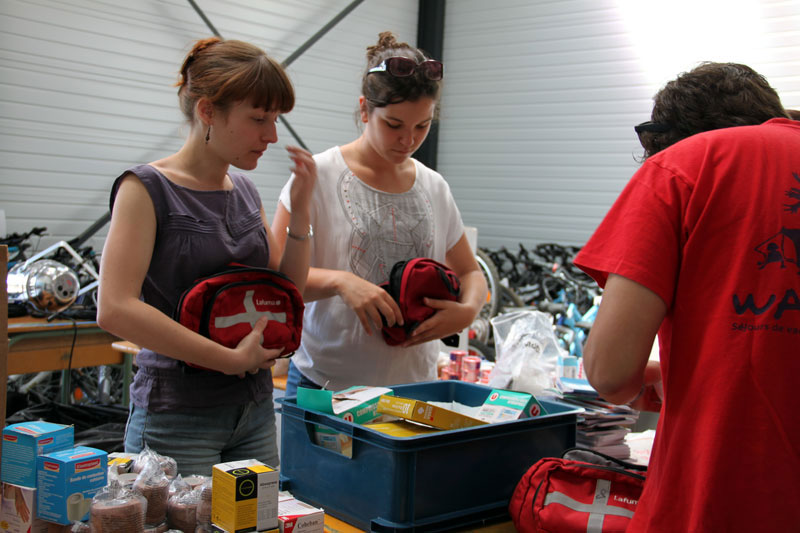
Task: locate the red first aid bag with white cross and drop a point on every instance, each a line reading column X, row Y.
column 225, row 307
column 583, row 491
column 410, row 282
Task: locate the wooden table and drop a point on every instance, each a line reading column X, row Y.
column 36, row 345
column 334, row 525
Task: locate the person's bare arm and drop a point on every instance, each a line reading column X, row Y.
column 618, row 348
column 366, row 299
column 291, row 256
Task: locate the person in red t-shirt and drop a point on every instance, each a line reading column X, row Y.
column 703, row 248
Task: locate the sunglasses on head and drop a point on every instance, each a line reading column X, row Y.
column 403, row 67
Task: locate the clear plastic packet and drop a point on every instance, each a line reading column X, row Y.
column 527, row 352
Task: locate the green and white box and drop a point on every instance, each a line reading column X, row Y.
column 502, row 405
column 357, row 404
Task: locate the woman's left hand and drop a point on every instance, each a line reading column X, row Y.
column 305, row 177
column 450, row 317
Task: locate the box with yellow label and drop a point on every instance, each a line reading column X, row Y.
column 425, row 413
column 245, row 496
column 402, row 428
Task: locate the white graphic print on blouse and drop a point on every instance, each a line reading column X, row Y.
column 386, row 227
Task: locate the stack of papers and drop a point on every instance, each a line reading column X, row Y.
column 604, row 425
column 579, row 386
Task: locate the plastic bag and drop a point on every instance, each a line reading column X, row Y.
column 182, row 506
column 153, row 484
column 527, row 351
column 116, row 509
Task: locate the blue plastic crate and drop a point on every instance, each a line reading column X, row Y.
column 432, row 482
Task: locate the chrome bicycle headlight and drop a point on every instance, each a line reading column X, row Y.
column 46, row 285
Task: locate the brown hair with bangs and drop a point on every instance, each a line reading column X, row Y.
column 232, row 71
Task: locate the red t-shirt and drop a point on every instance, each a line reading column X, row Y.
column 712, row 225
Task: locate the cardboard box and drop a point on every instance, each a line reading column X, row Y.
column 425, row 413
column 121, row 461
column 18, row 510
column 402, row 429
column 295, row 516
column 216, row 529
column 67, row 481
column 23, row 442
column 245, row 496
column 502, row 405
column 357, row 404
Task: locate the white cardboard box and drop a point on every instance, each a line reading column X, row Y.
column 295, row 516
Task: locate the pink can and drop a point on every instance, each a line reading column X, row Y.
column 447, row 374
column 471, row 368
column 456, row 362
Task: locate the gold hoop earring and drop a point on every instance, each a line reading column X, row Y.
column 208, row 134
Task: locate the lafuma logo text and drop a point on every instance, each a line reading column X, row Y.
column 623, row 499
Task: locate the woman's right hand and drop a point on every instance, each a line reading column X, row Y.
column 305, row 177
column 249, row 356
column 369, row 302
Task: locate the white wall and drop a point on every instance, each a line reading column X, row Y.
column 539, row 103
column 86, row 91
column 541, row 98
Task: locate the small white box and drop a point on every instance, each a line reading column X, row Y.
column 18, row 510
column 295, row 516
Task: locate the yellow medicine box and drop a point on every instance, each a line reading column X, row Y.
column 425, row 413
column 245, row 496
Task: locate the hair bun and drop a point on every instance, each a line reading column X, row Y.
column 198, row 48
column 386, row 41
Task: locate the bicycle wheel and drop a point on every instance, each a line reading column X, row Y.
column 489, row 270
column 509, row 298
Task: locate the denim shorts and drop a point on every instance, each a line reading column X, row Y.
column 295, row 378
column 199, row 438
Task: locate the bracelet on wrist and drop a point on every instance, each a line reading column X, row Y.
column 300, row 237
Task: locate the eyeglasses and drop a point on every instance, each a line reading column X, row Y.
column 652, row 127
column 403, row 67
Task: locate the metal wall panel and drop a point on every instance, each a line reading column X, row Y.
column 540, row 99
column 540, row 96
column 86, row 90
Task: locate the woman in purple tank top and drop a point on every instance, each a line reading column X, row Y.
column 187, row 216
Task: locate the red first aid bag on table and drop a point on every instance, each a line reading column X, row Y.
column 409, row 283
column 225, row 307
column 583, row 491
